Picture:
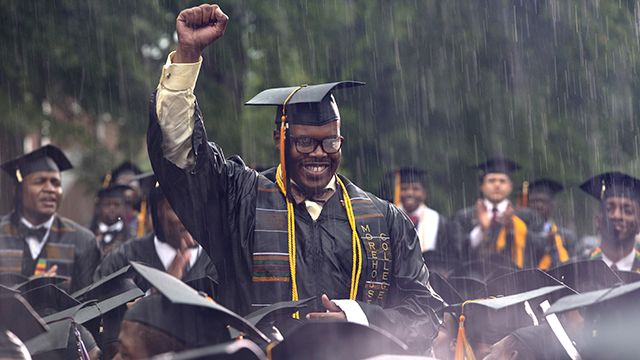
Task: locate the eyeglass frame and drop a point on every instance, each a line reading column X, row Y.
column 294, row 141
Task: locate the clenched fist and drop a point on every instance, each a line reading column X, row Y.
column 198, row 27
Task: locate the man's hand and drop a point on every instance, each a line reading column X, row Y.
column 505, row 219
column 179, row 263
column 53, row 271
column 198, row 27
column 482, row 215
column 333, row 312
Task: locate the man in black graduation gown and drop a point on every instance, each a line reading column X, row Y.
column 618, row 219
column 110, row 226
column 493, row 226
column 34, row 239
column 559, row 240
column 325, row 236
column 169, row 248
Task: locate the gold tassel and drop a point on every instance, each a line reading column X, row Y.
column 396, row 188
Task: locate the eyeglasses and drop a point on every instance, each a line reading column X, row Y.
column 307, row 145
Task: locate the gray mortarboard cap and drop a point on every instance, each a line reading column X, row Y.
column 541, row 342
column 306, row 105
column 17, row 316
column 176, row 303
column 11, row 347
column 611, row 321
column 280, row 309
column 205, row 284
column 498, row 165
column 545, row 185
column 46, row 158
column 49, row 299
column 5, row 290
column 336, row 340
column 60, row 342
column 520, row 281
column 235, row 350
column 113, row 288
column 612, row 183
column 586, row 275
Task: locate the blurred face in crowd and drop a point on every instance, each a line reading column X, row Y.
column 496, row 187
column 132, row 195
column 41, row 195
column 620, row 219
column 444, row 344
column 412, row 195
column 111, row 209
column 313, row 171
column 542, row 203
column 175, row 234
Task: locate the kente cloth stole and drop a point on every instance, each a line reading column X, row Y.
column 270, row 259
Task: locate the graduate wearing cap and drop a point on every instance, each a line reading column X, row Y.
column 128, row 174
column 110, row 226
column 34, row 239
column 169, row 247
column 540, row 195
column 410, row 195
column 493, row 225
column 298, row 230
column 618, row 219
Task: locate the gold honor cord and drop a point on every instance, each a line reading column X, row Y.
column 356, row 269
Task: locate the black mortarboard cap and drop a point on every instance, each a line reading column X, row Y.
column 17, row 316
column 586, row 275
column 37, row 281
column 545, row 185
column 112, row 290
column 469, row 288
column 628, row 277
column 148, row 181
column 49, row 299
column 235, row 350
column 124, row 167
column 12, row 280
column 438, row 261
column 177, row 302
column 520, row 281
column 443, row 288
column 46, row 158
column 541, row 342
column 112, row 191
column 305, row 105
column 498, row 165
column 336, row 340
column 612, row 183
column 611, row 321
column 489, row 320
column 411, row 175
column 485, row 269
column 5, row 290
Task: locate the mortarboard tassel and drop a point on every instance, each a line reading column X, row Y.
column 396, row 188
column 464, row 351
column 142, row 219
column 107, row 181
column 524, row 197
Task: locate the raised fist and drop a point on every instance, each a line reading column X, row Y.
column 198, row 27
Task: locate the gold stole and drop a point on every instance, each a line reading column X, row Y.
column 563, row 255
column 519, row 240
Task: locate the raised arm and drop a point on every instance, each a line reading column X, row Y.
column 202, row 186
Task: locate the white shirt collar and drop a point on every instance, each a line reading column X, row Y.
column 167, row 253
column 625, row 264
column 502, row 206
column 117, row 226
column 36, row 245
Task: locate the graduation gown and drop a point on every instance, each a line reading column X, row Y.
column 465, row 222
column 70, row 246
column 216, row 201
column 143, row 250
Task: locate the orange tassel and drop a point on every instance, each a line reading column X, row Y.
column 396, row 189
column 142, row 219
column 463, row 348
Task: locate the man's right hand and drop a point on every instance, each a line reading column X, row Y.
column 198, row 27
column 482, row 215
